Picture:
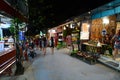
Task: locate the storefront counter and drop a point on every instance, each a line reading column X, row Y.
column 7, row 58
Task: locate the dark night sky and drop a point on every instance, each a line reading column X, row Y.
column 60, row 10
column 65, row 9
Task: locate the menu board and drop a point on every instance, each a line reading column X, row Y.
column 84, row 34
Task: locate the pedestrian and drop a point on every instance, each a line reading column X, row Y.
column 69, row 40
column 25, row 54
column 78, row 43
column 51, row 43
column 40, row 43
column 11, row 41
column 116, row 38
column 26, row 44
column 37, row 42
column 31, row 44
column 44, row 45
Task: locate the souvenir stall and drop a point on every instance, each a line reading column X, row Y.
column 75, row 34
column 4, row 37
column 105, row 24
column 52, row 33
column 99, row 30
column 60, row 37
column 8, row 53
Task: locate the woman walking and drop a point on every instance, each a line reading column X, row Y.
column 116, row 38
column 44, row 45
column 52, row 44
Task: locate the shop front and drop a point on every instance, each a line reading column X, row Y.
column 8, row 51
column 101, row 27
column 94, row 46
column 52, row 33
column 104, row 26
column 57, row 33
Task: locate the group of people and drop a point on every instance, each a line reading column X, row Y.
column 113, row 41
column 42, row 43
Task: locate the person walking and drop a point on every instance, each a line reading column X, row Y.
column 78, row 43
column 52, row 44
column 44, row 45
column 40, row 43
column 116, row 38
column 37, row 42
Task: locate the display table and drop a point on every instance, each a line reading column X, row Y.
column 93, row 48
column 90, row 51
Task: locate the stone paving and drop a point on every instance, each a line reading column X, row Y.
column 61, row 66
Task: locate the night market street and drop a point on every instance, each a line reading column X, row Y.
column 61, row 66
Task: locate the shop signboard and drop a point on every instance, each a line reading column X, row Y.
column 21, row 35
column 84, row 34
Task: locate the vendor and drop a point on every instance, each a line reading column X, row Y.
column 11, row 41
column 108, row 44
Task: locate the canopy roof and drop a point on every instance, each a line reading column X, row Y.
column 106, row 10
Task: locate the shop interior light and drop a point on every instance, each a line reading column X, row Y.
column 53, row 31
column 49, row 31
column 44, row 34
column 88, row 25
column 106, row 20
column 64, row 28
column 67, row 25
column 4, row 25
column 71, row 26
column 1, row 15
column 78, row 24
column 89, row 12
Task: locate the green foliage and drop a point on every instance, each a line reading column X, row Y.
column 61, row 45
column 40, row 18
column 74, row 53
column 64, row 33
column 14, row 27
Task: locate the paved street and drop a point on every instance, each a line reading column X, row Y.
column 61, row 66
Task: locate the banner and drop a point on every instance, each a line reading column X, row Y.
column 21, row 35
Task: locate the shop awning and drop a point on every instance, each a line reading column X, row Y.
column 106, row 10
column 7, row 8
